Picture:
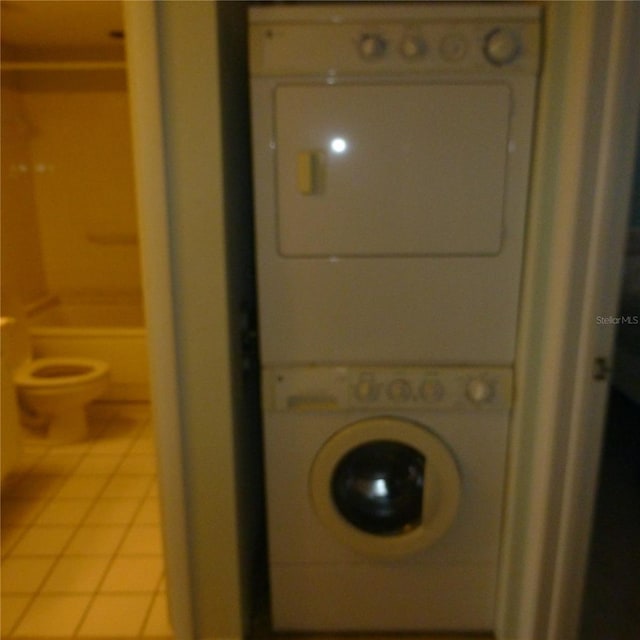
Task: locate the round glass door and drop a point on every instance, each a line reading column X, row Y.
column 385, row 487
column 378, row 487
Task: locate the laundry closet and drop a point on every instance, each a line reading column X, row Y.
column 391, row 149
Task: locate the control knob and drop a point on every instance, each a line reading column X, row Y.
column 501, row 46
column 372, row 45
column 413, row 46
column 366, row 390
column 432, row 391
column 399, row 390
column 479, row 391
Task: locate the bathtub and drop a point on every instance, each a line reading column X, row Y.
column 109, row 328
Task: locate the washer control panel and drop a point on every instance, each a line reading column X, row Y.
column 381, row 388
column 437, row 388
column 342, row 39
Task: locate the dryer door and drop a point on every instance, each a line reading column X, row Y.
column 385, row 487
column 391, row 170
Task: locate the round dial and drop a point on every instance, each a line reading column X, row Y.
column 399, row 390
column 413, row 46
column 372, row 45
column 479, row 391
column 501, row 46
column 432, row 391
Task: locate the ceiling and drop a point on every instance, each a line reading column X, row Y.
column 60, row 24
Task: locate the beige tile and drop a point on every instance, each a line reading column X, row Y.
column 133, row 574
column 142, row 540
column 154, row 491
column 82, row 487
column 55, row 463
column 113, row 511
column 73, row 574
column 10, row 535
column 138, row 464
column 158, row 625
column 132, row 413
column 115, row 616
column 28, row 460
column 11, row 609
column 21, row 511
column 53, row 616
column 113, row 441
column 149, row 512
column 35, row 444
column 73, row 448
column 127, row 486
column 98, row 464
column 144, row 445
column 43, row 541
column 21, row 575
column 68, row 511
column 34, row 486
column 95, row 540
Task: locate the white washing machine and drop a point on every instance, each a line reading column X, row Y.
column 391, row 153
column 385, row 494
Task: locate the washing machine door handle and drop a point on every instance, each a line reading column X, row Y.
column 441, row 488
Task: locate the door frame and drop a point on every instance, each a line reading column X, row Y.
column 153, row 219
column 583, row 170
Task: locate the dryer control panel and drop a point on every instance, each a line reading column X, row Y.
column 310, row 389
column 341, row 39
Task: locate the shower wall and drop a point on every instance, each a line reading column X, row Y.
column 22, row 270
column 73, row 168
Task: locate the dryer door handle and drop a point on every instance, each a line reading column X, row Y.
column 309, row 172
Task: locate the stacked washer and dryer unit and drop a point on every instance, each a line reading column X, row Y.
column 391, row 157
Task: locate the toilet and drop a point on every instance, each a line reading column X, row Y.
column 54, row 392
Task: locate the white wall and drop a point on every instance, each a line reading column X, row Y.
column 83, row 181
column 69, row 215
column 23, row 276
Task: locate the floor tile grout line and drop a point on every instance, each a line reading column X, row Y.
column 117, row 552
column 127, row 528
column 38, row 592
column 114, row 555
column 147, row 615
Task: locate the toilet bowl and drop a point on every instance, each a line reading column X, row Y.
column 55, row 391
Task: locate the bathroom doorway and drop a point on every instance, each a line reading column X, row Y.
column 81, row 530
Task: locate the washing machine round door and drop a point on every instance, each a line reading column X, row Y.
column 385, row 487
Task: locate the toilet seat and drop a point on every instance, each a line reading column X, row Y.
column 51, row 373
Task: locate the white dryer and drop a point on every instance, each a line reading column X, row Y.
column 385, row 494
column 391, row 153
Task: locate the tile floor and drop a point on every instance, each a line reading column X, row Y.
column 81, row 540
